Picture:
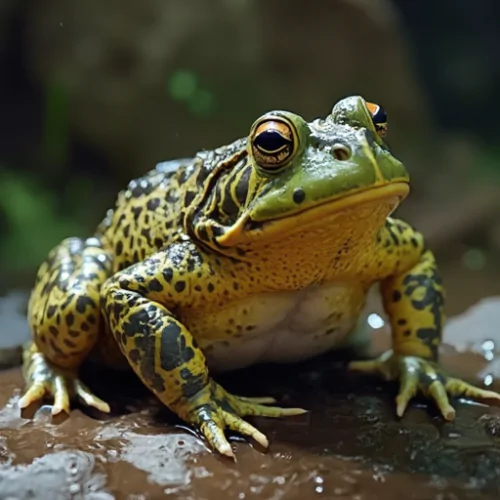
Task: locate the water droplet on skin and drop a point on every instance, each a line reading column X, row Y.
column 319, row 489
column 319, row 480
column 488, row 380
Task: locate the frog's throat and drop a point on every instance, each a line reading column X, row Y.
column 247, row 230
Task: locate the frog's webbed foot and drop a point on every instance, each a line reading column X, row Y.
column 43, row 379
column 418, row 374
column 213, row 409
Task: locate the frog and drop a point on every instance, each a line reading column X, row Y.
column 259, row 251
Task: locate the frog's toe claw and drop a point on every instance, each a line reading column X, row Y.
column 85, row 394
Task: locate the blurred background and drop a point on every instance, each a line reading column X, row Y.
column 94, row 93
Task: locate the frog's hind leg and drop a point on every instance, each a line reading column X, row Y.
column 63, row 315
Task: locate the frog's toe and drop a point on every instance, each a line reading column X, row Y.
column 34, row 393
column 45, row 380
column 457, row 388
column 86, row 395
column 212, row 429
column 262, row 401
column 249, row 407
column 237, row 424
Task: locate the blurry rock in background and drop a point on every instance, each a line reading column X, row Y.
column 151, row 80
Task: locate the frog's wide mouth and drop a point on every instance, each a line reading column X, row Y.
column 248, row 229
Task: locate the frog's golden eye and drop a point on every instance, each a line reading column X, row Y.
column 379, row 118
column 274, row 142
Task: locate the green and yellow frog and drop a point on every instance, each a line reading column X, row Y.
column 259, row 251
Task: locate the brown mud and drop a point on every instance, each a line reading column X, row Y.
column 349, row 446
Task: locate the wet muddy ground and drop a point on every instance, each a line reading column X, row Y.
column 350, row 445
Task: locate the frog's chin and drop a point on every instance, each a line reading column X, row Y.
column 247, row 230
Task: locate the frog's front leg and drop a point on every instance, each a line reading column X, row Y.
column 413, row 298
column 163, row 352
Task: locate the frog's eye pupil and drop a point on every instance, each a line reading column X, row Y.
column 273, row 142
column 270, row 141
column 380, row 116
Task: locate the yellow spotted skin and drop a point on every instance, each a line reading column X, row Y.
column 262, row 250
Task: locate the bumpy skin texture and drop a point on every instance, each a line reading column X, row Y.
column 262, row 250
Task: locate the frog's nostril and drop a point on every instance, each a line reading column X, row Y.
column 341, row 152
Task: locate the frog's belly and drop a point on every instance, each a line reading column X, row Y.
column 279, row 327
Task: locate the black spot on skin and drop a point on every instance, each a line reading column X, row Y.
column 157, row 383
column 153, row 204
column 51, row 310
column 91, row 319
column 299, row 195
column 236, row 285
column 197, row 288
column 180, row 286
column 192, row 384
column 168, row 274
column 119, row 249
column 173, row 349
column 210, row 287
column 146, row 234
column 134, row 355
column 155, row 286
column 401, row 322
column 188, row 198
column 428, row 336
column 396, row 296
column 54, row 331
column 85, row 327
column 126, row 231
column 414, row 241
column 407, row 333
column 82, row 302
column 69, row 343
column 137, row 212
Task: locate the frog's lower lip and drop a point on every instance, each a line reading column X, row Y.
column 397, row 190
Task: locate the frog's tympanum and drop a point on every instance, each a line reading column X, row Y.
column 259, row 251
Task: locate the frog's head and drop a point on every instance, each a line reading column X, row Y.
column 294, row 174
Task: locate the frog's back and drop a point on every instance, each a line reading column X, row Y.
column 150, row 213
